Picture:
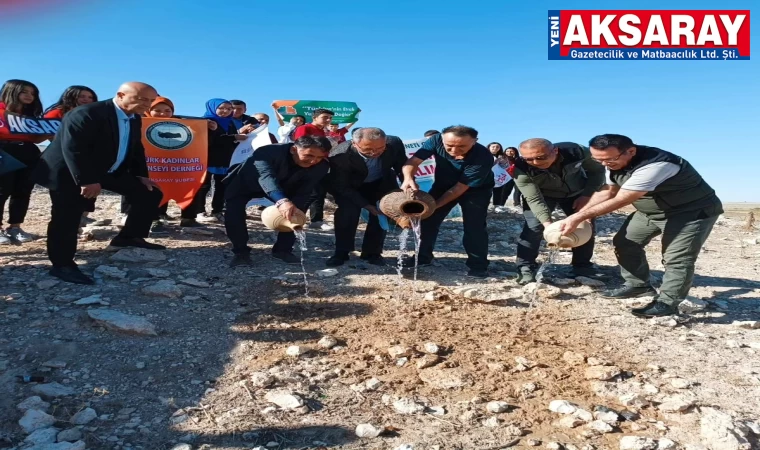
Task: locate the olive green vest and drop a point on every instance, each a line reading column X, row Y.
column 572, row 179
column 685, row 191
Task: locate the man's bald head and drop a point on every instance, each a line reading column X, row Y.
column 538, row 152
column 135, row 97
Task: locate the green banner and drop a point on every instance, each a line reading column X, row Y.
column 345, row 112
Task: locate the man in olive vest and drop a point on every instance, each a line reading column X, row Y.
column 670, row 198
column 553, row 175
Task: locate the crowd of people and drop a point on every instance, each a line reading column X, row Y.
column 98, row 147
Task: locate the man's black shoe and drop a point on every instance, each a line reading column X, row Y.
column 655, row 309
column 241, row 259
column 71, row 275
column 375, row 260
column 336, row 260
column 190, row 223
column 629, row 292
column 525, row 276
column 477, row 273
column 121, row 242
column 591, row 271
column 287, row 257
column 408, row 262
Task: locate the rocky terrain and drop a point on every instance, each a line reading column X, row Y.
column 173, row 350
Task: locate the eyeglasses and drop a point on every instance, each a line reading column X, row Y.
column 609, row 160
column 537, row 158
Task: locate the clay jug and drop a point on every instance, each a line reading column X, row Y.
column 580, row 236
column 412, row 204
column 272, row 219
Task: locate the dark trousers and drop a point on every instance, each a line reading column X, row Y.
column 68, row 206
column 501, row 193
column 125, row 208
column 474, row 204
column 515, row 196
column 17, row 186
column 347, row 220
column 316, row 204
column 529, row 243
column 217, row 199
column 683, row 236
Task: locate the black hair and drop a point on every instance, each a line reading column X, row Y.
column 319, row 111
column 68, row 100
column 301, row 116
column 501, row 147
column 461, row 131
column 604, row 141
column 429, row 133
column 237, row 103
column 10, row 92
column 513, row 148
column 319, row 142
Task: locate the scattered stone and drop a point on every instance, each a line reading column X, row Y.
column 43, row 436
column 408, row 406
column 432, row 348
column 533, row 442
column 554, row 446
column 497, row 407
column 366, row 430
column 118, row 321
column 261, row 380
column 84, row 416
column 140, row 365
column 427, row 361
column 583, row 415
column 600, row 427
column 562, row 282
column 399, row 351
column 35, row 419
column 523, row 364
column 586, row 281
column 194, row 283
column 52, row 390
column 373, row 384
column 719, row 432
column 182, row 447
column 163, row 288
column 602, row 373
column 680, row 383
column 747, row 324
column 633, row 400
column 55, row 364
column 666, row 444
column 158, row 273
column 284, row 399
column 528, row 388
column 667, row 322
column 692, row 305
column 327, row 342
column 138, row 255
column 445, row 378
column 324, row 273
column 78, row 445
column 573, row 358
column 47, row 284
column 606, row 415
column 492, row 422
column 91, row 300
column 296, row 350
column 637, row 443
column 597, row 361
column 70, row 435
column 110, row 272
column 33, row 403
column 562, row 407
column 675, row 404
column 569, row 422
column 512, row 430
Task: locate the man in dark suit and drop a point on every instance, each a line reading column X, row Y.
column 362, row 171
column 98, row 146
column 285, row 174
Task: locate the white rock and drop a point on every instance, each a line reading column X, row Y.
column 407, row 406
column 163, row 288
column 84, row 416
column 404, row 447
column 110, row 272
column 182, row 447
column 373, row 384
column 633, row 400
column 91, row 300
column 666, row 444
column 398, row 351
column 34, row 420
column 583, row 415
column 719, row 432
column 118, row 321
column 33, row 403
column 602, row 373
column 562, row 282
column 69, row 435
column 324, row 273
column 680, row 383
column 432, row 348
column 261, row 380
column 746, row 324
column 637, row 443
column 600, row 427
column 562, row 407
column 366, row 430
column 546, row 291
column 427, row 361
column 42, row 436
column 327, row 342
column 675, row 404
column 446, row 378
column 296, row 350
column 138, row 255
column 692, row 305
column 569, row 422
column 52, row 390
column 492, row 422
column 585, row 281
column 497, row 407
column 554, row 446
column 194, row 283
column 533, row 442
column 284, row 399
column 608, row 417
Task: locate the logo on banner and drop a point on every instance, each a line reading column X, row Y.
column 169, row 135
column 649, row 35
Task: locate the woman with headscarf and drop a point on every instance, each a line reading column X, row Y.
column 19, row 97
column 222, row 142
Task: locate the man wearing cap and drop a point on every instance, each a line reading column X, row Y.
column 671, row 199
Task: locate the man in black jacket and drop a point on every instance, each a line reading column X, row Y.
column 285, row 174
column 362, row 171
column 98, row 146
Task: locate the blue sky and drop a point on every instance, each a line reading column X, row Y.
column 410, row 65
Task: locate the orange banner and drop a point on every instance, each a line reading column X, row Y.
column 176, row 151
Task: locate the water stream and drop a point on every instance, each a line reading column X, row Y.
column 301, row 236
column 417, row 237
column 550, row 258
column 403, row 239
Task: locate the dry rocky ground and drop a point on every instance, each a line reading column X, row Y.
column 173, row 350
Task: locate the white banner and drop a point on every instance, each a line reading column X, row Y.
column 500, row 175
column 257, row 138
